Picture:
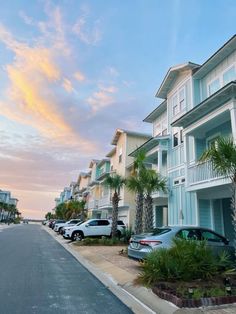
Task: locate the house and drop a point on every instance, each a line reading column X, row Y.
column 198, row 105
column 124, row 143
column 81, row 191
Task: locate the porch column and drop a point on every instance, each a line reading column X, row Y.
column 186, row 157
column 233, row 120
column 159, row 160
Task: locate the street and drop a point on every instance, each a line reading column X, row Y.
column 39, row 276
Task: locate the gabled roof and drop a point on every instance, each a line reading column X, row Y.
column 92, row 162
column 156, row 112
column 118, row 133
column 148, row 145
column 102, row 162
column 171, row 76
column 111, row 152
column 216, row 58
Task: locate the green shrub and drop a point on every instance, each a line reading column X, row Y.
column 126, row 235
column 185, row 260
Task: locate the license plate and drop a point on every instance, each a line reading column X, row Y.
column 135, row 245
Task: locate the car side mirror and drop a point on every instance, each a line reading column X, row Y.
column 87, row 225
column 226, row 241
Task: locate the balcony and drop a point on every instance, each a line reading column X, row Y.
column 92, row 204
column 105, row 201
column 203, row 175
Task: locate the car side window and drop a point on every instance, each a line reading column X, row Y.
column 189, row 234
column 93, row 223
column 211, row 236
column 103, row 222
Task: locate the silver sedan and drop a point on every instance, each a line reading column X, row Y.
column 142, row 244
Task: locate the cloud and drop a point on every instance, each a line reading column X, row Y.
column 79, row 76
column 88, row 34
column 67, row 85
column 28, row 20
column 102, row 98
column 31, row 99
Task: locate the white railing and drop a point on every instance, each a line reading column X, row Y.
column 105, row 201
column 92, row 204
column 202, row 172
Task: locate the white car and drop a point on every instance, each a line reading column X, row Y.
column 92, row 228
column 58, row 227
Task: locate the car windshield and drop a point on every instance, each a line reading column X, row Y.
column 159, row 231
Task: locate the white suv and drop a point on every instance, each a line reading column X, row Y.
column 92, row 228
column 58, row 226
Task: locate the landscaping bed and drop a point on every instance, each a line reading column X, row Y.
column 197, row 293
column 189, row 275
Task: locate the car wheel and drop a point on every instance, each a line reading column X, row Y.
column 77, row 236
column 59, row 230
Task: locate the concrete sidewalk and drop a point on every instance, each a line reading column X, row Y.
column 118, row 273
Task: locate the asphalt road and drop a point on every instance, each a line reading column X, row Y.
column 39, row 276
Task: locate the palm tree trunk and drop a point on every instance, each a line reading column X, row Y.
column 148, row 213
column 115, row 204
column 139, row 214
column 233, row 207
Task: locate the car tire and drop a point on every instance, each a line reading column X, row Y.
column 77, row 236
column 59, row 230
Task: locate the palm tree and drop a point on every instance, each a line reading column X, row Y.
column 222, row 156
column 135, row 184
column 115, row 183
column 153, row 183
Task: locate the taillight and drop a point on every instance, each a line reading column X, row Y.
column 150, row 242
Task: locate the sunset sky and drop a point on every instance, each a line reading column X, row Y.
column 73, row 71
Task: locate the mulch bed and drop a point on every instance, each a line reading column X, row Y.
column 175, row 292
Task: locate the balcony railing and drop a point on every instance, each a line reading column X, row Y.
column 105, row 201
column 92, row 204
column 203, row 172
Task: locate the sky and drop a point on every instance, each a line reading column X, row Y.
column 72, row 71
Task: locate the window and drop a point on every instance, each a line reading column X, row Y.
column 212, row 141
column 189, row 234
column 182, row 99
column 178, row 101
column 210, row 236
column 158, row 129
column 175, row 105
column 175, row 139
column 103, row 222
column 93, row 223
column 229, row 75
column 213, row 86
column 181, row 136
column 120, row 155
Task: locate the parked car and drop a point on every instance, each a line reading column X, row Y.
column 58, row 226
column 92, row 228
column 142, row 244
column 54, row 222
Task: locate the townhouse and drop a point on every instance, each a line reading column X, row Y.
column 117, row 161
column 6, row 198
column 198, row 105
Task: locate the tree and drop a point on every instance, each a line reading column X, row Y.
column 144, row 182
column 153, row 183
column 135, row 184
column 115, row 183
column 222, row 156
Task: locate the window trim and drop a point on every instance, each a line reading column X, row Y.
column 212, row 81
